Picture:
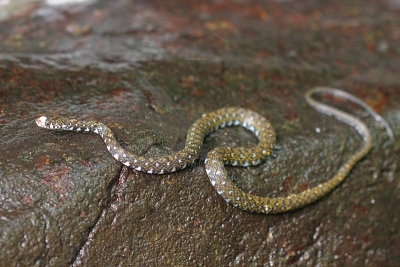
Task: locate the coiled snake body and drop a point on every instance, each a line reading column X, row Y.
column 236, row 156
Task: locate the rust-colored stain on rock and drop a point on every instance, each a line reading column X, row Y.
column 58, row 179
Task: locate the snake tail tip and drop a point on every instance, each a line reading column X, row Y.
column 41, row 121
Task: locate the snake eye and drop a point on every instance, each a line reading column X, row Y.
column 41, row 121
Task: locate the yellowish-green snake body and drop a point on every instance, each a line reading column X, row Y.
column 218, row 157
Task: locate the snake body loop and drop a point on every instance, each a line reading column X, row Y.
column 235, row 156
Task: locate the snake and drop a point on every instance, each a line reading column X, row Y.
column 218, row 157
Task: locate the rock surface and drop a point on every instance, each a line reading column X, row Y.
column 148, row 69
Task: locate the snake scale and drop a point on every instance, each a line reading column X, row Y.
column 235, row 156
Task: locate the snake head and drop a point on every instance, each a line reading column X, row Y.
column 50, row 122
column 63, row 123
column 41, row 121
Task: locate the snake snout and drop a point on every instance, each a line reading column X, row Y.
column 41, row 121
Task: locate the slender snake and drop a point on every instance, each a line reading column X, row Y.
column 235, row 156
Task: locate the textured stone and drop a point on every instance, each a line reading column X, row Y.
column 148, row 69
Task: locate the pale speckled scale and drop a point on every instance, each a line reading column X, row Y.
column 220, row 156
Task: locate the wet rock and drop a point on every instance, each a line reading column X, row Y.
column 148, row 69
